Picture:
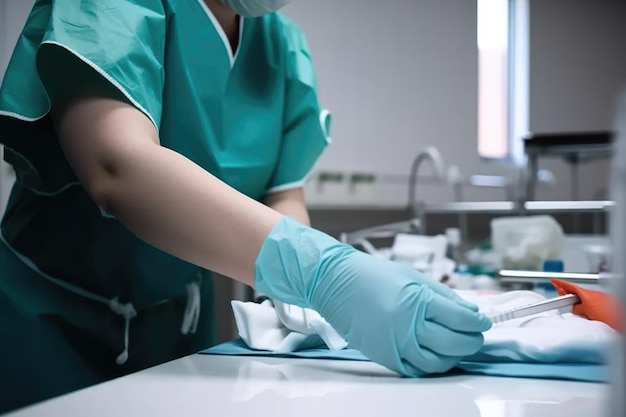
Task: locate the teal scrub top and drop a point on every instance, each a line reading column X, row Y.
column 250, row 117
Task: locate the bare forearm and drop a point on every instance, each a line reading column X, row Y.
column 290, row 203
column 190, row 214
column 161, row 196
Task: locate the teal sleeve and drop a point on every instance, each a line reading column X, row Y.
column 112, row 48
column 306, row 129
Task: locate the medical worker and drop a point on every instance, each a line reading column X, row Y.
column 154, row 141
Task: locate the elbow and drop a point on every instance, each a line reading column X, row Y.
column 105, row 183
column 106, row 142
column 116, row 178
column 103, row 196
column 102, row 190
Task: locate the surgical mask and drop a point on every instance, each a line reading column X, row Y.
column 255, row 8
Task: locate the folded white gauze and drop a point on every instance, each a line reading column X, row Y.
column 550, row 336
column 279, row 327
column 546, row 337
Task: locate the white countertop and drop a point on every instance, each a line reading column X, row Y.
column 204, row 385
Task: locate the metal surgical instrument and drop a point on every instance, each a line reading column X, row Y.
column 535, row 308
column 601, row 278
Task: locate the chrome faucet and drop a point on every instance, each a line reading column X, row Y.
column 429, row 154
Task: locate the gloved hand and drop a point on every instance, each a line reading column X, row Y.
column 594, row 305
column 388, row 311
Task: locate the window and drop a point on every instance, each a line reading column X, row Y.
column 493, row 45
column 502, row 40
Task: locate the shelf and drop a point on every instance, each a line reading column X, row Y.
column 568, row 206
column 574, row 146
column 529, row 207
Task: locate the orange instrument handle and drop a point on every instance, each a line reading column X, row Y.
column 594, row 305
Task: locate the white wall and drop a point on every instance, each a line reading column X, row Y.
column 397, row 75
column 578, row 63
column 401, row 74
column 4, row 182
column 3, row 35
column 13, row 14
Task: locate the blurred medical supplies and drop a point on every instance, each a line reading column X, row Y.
column 483, row 258
column 526, row 242
column 594, row 305
column 599, row 258
column 535, row 308
column 574, row 251
column 424, row 253
column 453, row 252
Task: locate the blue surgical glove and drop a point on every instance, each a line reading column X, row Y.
column 390, row 312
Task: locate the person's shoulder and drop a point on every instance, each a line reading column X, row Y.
column 132, row 6
column 285, row 23
column 103, row 15
column 287, row 29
